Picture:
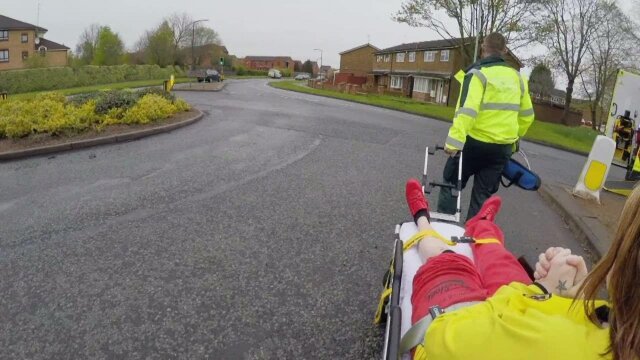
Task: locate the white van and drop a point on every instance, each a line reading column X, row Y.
column 275, row 74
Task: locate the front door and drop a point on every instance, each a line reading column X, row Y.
column 409, row 88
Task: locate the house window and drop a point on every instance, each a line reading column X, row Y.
column 444, row 55
column 42, row 50
column 412, row 56
column 24, row 38
column 4, row 35
column 400, row 57
column 25, row 55
column 4, row 55
column 379, row 58
column 429, row 56
column 421, row 85
column 387, row 58
column 396, row 82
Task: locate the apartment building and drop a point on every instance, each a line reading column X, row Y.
column 424, row 70
column 20, row 40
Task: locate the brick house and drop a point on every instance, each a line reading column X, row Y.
column 358, row 61
column 269, row 62
column 424, row 70
column 20, row 40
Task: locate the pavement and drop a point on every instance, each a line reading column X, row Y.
column 593, row 224
column 260, row 232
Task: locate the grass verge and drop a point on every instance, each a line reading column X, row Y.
column 577, row 139
column 88, row 89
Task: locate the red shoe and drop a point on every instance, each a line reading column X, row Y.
column 415, row 197
column 489, row 209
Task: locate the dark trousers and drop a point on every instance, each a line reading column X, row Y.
column 485, row 162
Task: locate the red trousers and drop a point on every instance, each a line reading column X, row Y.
column 451, row 278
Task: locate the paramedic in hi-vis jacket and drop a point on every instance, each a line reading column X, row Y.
column 494, row 111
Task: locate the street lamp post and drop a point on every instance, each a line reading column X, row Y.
column 193, row 42
column 320, row 59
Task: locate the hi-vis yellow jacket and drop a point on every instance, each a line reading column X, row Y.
column 517, row 322
column 494, row 105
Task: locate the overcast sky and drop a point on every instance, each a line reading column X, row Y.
column 248, row 27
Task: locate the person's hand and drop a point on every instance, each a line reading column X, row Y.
column 450, row 152
column 553, row 268
column 544, row 262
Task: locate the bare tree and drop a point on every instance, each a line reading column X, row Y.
column 567, row 28
column 86, row 48
column 509, row 17
column 614, row 46
column 181, row 25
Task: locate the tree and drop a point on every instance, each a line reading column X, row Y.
column 615, row 46
column 541, row 80
column 87, row 43
column 307, row 67
column 181, row 26
column 159, row 46
column 109, row 49
column 509, row 17
column 203, row 36
column 567, row 28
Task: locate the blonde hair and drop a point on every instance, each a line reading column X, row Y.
column 620, row 268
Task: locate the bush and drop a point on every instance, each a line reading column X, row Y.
column 285, row 72
column 50, row 112
column 45, row 79
column 156, row 91
column 149, row 108
column 115, row 99
column 240, row 70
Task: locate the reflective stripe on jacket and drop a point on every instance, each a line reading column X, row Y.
column 494, row 105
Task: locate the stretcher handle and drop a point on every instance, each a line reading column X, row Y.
column 432, row 150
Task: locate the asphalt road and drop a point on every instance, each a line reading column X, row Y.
column 261, row 232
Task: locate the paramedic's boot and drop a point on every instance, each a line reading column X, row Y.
column 418, row 205
column 488, row 211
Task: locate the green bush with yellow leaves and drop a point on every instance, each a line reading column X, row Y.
column 53, row 114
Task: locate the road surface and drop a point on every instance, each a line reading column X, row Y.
column 261, row 232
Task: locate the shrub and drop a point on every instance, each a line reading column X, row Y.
column 50, row 112
column 156, row 91
column 182, row 105
column 149, row 108
column 285, row 72
column 115, row 99
column 15, row 119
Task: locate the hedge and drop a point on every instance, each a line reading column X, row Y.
column 46, row 79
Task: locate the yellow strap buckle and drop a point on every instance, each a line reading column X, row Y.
column 451, row 242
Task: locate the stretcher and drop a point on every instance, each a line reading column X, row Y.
column 394, row 307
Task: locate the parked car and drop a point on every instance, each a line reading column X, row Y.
column 209, row 76
column 275, row 74
column 302, row 77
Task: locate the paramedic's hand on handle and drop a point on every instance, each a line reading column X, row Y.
column 516, row 146
column 560, row 257
column 450, row 151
